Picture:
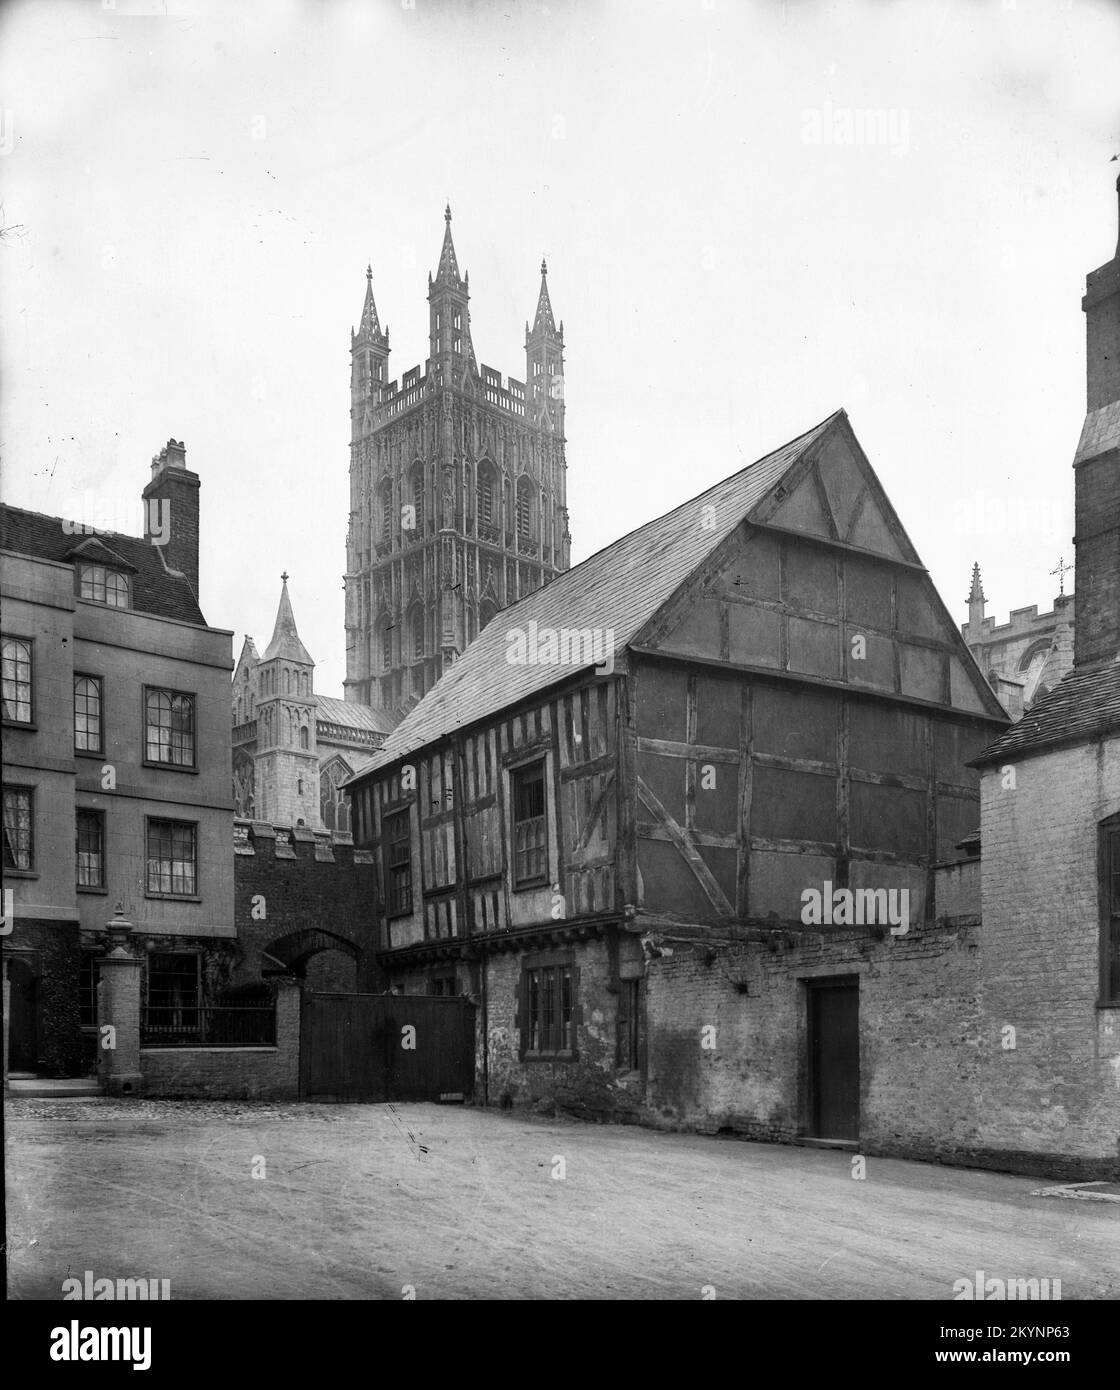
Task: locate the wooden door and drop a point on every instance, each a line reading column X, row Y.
column 834, row 1059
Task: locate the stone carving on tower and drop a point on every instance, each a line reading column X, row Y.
column 458, row 495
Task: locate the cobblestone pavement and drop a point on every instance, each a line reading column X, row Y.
column 365, row 1201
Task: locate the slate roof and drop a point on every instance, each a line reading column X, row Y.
column 155, row 588
column 1083, row 706
column 353, row 716
column 620, row 588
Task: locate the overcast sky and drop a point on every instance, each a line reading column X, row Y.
column 193, row 191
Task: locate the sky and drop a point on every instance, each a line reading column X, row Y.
column 753, row 214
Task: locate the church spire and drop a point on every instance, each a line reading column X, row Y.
column 448, row 271
column 544, row 321
column 285, row 642
column 976, row 598
column 370, row 324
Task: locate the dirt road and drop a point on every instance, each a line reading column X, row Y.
column 367, row 1201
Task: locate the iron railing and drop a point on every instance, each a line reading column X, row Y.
column 210, row 1025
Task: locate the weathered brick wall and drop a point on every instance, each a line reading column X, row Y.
column 298, row 889
column 918, row 1012
column 231, row 1073
column 1058, row 1091
column 589, row 1086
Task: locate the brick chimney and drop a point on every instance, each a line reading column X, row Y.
column 171, row 510
column 1096, row 634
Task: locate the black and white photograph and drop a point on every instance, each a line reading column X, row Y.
column 560, row 580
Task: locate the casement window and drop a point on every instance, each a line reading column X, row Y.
column 530, row 826
column 17, row 680
column 172, row 858
column 100, row 584
column 172, row 992
column 549, row 1007
column 395, row 831
column 88, row 733
column 169, row 728
column 90, row 827
column 1109, row 864
column 88, row 973
column 19, row 835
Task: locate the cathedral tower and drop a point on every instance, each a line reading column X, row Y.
column 458, row 496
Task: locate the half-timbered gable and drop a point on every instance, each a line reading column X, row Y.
column 655, row 756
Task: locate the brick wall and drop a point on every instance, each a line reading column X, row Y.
column 918, row 1010
column 1058, row 1091
column 315, row 890
column 231, row 1073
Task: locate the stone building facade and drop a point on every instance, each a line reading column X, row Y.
column 116, row 768
column 1025, row 657
column 458, row 496
column 293, row 749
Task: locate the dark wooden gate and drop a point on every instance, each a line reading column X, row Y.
column 379, row 1047
column 834, row 1059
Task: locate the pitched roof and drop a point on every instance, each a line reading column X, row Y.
column 155, row 588
column 354, row 716
column 618, row 589
column 1083, row 706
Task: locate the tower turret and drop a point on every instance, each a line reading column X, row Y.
column 287, row 776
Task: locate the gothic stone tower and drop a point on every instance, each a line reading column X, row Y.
column 458, row 498
column 287, row 760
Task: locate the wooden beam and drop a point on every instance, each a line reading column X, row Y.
column 691, row 855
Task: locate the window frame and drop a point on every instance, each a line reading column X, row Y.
column 549, row 968
column 94, row 813
column 541, row 879
column 1108, row 871
column 29, row 722
column 167, row 766
column 107, row 571
column 13, row 870
column 99, row 681
column 194, row 895
column 398, row 902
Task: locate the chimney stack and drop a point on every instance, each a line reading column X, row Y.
column 171, row 510
column 1096, row 628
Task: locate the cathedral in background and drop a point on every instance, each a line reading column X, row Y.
column 293, row 749
column 458, row 498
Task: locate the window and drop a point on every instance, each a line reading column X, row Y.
column 170, row 728
column 91, row 849
column 17, row 680
column 417, row 635
column 172, row 993
column 398, row 864
column 443, row 986
column 548, row 1003
column 87, row 714
column 628, row 1012
column 304, row 738
column 524, row 514
column 386, row 647
column 172, row 858
column 87, row 989
column 1110, row 910
column 485, row 497
column 386, row 514
column 19, row 843
column 102, row 585
column 530, row 851
column 418, row 493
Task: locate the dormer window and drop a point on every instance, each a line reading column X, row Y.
column 100, row 584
